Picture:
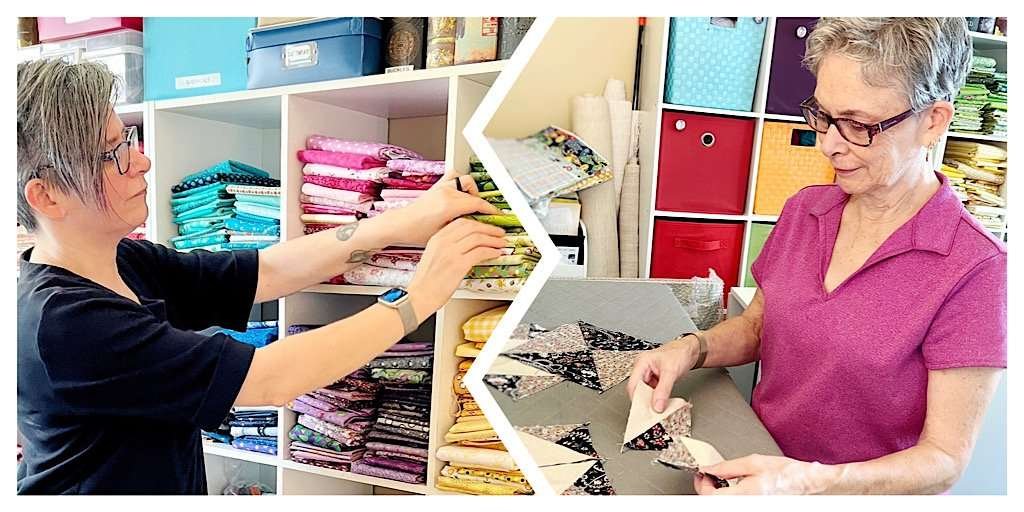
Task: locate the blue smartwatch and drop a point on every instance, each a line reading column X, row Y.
column 398, row 299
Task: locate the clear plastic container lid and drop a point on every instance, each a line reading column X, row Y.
column 126, row 37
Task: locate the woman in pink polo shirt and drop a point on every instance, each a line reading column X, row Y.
column 880, row 318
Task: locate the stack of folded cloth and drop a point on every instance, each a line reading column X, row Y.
column 390, row 267
column 258, row 334
column 976, row 171
column 520, row 256
column 255, row 431
column 981, row 102
column 342, row 179
column 472, row 430
column 994, row 116
column 406, row 180
column 226, row 207
column 398, row 440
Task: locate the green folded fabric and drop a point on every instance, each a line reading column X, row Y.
column 512, row 259
column 490, row 193
column 490, row 271
column 498, row 220
column 518, row 241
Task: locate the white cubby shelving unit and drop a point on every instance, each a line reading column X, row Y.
column 424, row 110
column 652, row 86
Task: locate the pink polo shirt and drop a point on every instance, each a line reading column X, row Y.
column 844, row 375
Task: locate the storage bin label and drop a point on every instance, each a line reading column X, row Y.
column 196, row 81
column 300, row 55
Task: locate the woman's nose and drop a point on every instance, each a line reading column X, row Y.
column 831, row 142
column 140, row 163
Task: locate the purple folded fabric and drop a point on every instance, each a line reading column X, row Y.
column 357, row 421
column 412, row 353
column 395, row 438
column 396, row 448
column 411, row 346
column 407, row 466
column 363, row 468
column 343, row 435
column 337, row 466
column 402, row 456
column 346, row 456
column 315, row 403
column 377, row 150
column 417, row 166
column 346, row 394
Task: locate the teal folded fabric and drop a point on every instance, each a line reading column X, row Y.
column 200, row 241
column 258, row 218
column 203, row 209
column 258, row 209
column 199, row 190
column 202, row 224
column 241, row 225
column 274, row 201
column 214, row 193
column 210, row 211
column 200, row 203
column 228, row 166
column 234, row 246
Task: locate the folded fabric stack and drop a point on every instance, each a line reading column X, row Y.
column 138, row 233
column 520, row 256
column 975, row 172
column 995, row 115
column 471, row 428
column 342, row 179
column 257, row 334
column 226, row 207
column 254, row 431
column 981, row 102
column 406, row 180
column 390, row 267
column 397, row 447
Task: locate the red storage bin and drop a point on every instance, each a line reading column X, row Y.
column 704, row 165
column 685, row 249
column 55, row 29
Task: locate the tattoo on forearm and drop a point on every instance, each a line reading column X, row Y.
column 360, row 256
column 345, row 232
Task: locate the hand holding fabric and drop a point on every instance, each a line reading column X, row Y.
column 416, row 223
column 449, row 255
column 661, row 368
column 763, row 474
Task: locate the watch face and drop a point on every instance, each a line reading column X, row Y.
column 394, row 294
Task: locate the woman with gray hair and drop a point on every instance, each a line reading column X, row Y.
column 114, row 382
column 880, row 315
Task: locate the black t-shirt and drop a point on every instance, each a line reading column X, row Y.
column 112, row 394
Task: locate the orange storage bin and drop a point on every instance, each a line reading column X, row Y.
column 789, row 162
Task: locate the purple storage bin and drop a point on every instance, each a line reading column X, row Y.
column 789, row 83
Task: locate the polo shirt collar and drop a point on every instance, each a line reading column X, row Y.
column 933, row 227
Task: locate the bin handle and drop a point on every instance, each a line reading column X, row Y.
column 697, row 245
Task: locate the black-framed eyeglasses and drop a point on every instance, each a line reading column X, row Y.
column 121, row 155
column 855, row 132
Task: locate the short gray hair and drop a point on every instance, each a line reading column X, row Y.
column 928, row 57
column 62, row 119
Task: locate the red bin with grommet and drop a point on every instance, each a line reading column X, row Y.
column 704, row 164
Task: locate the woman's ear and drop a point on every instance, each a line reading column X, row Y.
column 44, row 200
column 936, row 122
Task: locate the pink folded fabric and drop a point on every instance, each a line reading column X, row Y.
column 337, row 280
column 376, row 150
column 309, row 229
column 362, row 206
column 395, row 260
column 327, row 218
column 362, row 468
column 398, row 193
column 336, row 210
column 346, row 455
column 374, row 174
column 418, row 178
column 418, row 166
column 405, row 184
column 348, row 196
column 374, row 213
column 369, row 275
column 361, row 186
column 346, row 160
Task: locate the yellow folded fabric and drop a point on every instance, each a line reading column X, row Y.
column 467, row 350
column 469, row 416
column 465, row 365
column 490, row 445
column 479, row 435
column 479, row 345
column 476, row 458
column 480, row 327
column 511, row 479
column 457, row 384
column 470, row 426
column 449, row 484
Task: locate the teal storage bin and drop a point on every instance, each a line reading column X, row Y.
column 713, row 61
column 194, row 56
